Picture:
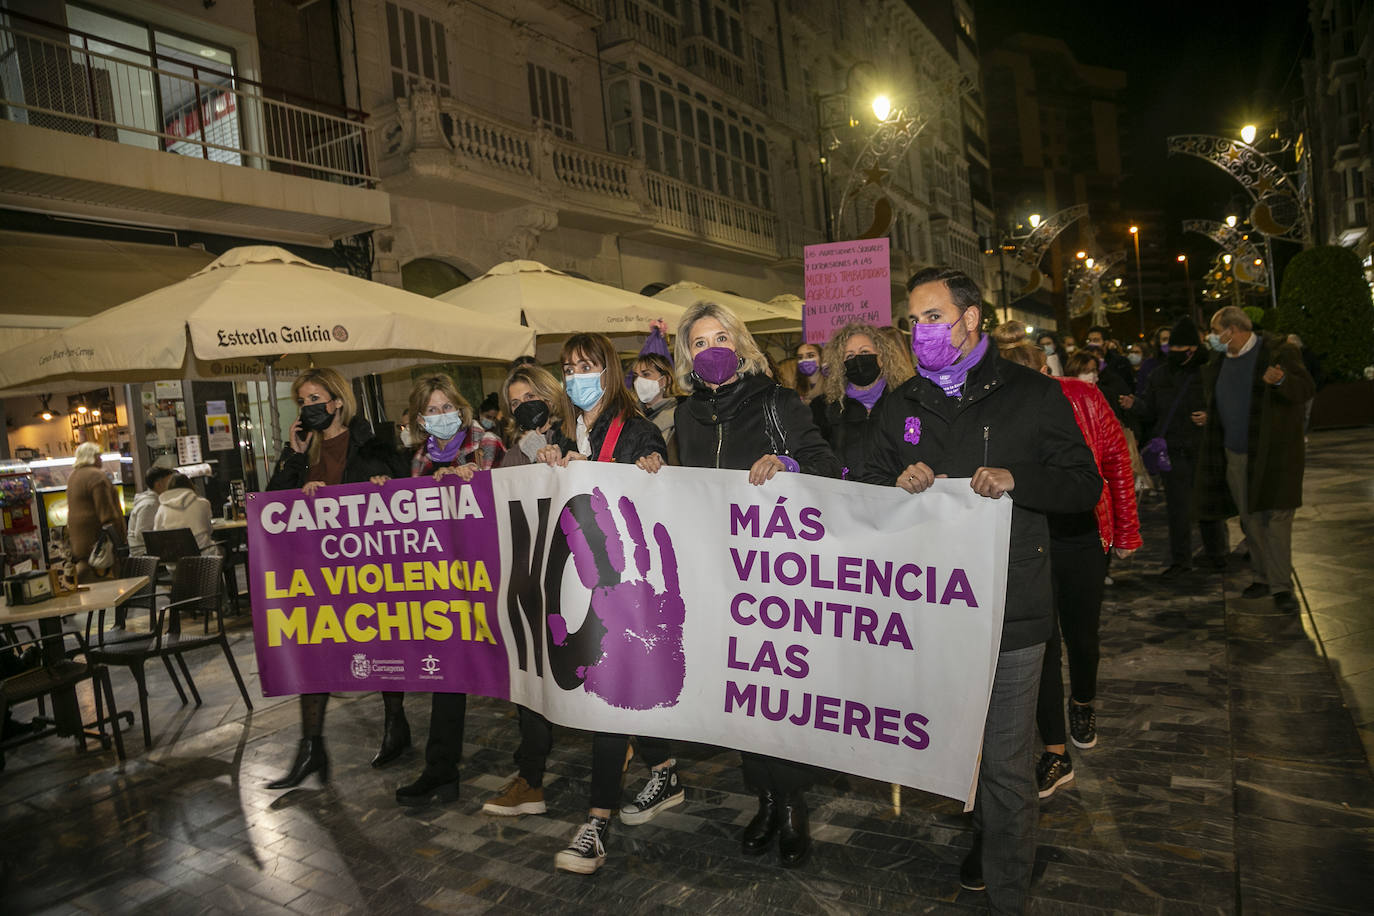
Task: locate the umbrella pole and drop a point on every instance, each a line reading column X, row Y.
column 275, row 415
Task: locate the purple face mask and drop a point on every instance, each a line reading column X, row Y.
column 715, row 365
column 932, row 347
column 808, row 366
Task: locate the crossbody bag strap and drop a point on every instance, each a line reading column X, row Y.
column 777, row 438
column 607, row 452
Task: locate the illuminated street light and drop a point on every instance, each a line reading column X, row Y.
column 1030, row 329
column 882, row 107
column 1081, row 255
column 1247, row 133
column 1139, row 282
column 1034, row 220
column 1089, row 262
column 1226, row 259
column 1135, row 230
column 1231, row 221
column 1117, row 283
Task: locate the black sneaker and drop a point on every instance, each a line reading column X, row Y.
column 1053, row 770
column 1082, row 725
column 587, row 851
column 1255, row 590
column 1285, row 601
column 661, row 792
column 971, row 869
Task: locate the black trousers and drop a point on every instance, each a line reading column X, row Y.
column 1178, row 503
column 608, row 757
column 772, row 774
column 1077, row 573
column 447, row 716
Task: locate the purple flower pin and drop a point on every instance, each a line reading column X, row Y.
column 913, row 430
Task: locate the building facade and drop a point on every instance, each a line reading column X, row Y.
column 1336, row 154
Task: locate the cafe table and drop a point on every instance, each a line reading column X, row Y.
column 100, row 594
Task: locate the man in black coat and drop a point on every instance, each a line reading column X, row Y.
column 969, row 413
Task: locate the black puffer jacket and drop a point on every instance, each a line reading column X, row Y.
column 727, row 428
column 1009, row 417
column 845, row 426
column 368, row 457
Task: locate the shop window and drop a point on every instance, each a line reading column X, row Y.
column 418, row 51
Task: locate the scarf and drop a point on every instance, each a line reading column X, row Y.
column 447, row 453
column 867, row 396
column 951, row 378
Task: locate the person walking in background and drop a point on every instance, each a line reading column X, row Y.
column 1156, row 356
column 1010, row 430
column 1253, row 449
column 862, row 364
column 145, row 508
column 1054, row 356
column 1173, row 394
column 810, row 381
column 1079, row 544
column 92, row 503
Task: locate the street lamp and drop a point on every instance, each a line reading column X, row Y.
column 882, row 107
column 1139, row 283
column 1231, row 221
column 1188, row 281
column 1034, row 220
column 1247, row 133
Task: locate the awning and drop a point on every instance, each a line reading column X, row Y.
column 49, row 278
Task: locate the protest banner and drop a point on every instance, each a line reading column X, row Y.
column 845, row 282
column 849, row 626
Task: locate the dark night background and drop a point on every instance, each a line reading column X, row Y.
column 1204, row 67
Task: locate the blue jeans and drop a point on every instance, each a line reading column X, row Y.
column 1006, row 808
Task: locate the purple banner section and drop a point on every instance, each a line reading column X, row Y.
column 846, row 281
column 362, row 587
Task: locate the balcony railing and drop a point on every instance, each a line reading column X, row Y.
column 174, row 107
column 712, row 217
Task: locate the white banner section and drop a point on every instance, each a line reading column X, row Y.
column 848, row 626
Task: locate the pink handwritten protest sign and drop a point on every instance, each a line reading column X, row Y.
column 846, row 281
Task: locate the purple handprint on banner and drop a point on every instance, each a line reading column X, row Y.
column 639, row 662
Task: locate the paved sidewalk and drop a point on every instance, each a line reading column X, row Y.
column 1230, row 776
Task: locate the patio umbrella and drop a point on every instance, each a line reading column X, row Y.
column 257, row 305
column 759, row 317
column 555, row 304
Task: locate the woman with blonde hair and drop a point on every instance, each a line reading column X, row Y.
column 328, row 445
column 454, row 442
column 535, row 411
column 92, row 503
column 737, row 417
column 863, row 365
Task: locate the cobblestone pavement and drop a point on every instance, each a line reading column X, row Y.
column 1230, row 775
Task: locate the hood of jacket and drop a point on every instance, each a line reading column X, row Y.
column 178, row 499
column 146, row 498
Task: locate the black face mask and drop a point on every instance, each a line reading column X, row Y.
column 316, row 418
column 531, row 414
column 862, row 369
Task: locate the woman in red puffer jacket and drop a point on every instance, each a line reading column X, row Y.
column 1079, row 545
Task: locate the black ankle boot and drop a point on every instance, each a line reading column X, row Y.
column 395, row 738
column 759, row 832
column 310, row 758
column 794, row 831
column 433, row 787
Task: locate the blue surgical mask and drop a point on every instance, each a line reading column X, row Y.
column 443, row 426
column 584, row 389
column 488, row 423
column 1214, row 341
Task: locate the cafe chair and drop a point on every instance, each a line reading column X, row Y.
column 58, row 679
column 172, row 545
column 120, row 632
column 195, row 588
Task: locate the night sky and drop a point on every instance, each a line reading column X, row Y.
column 1201, row 67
